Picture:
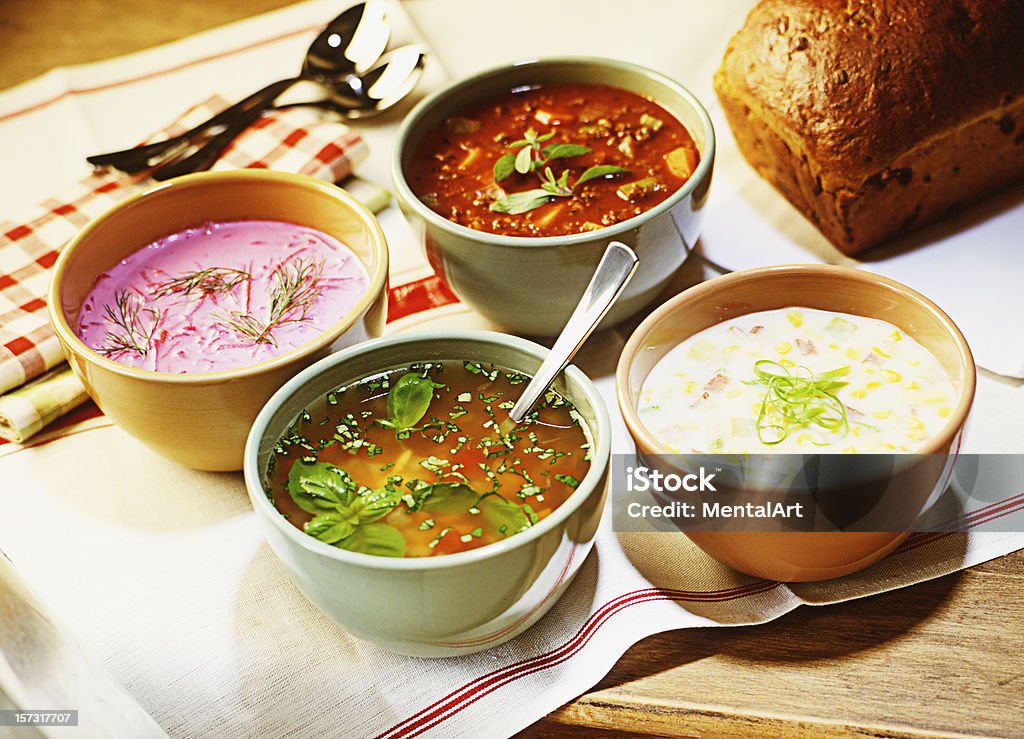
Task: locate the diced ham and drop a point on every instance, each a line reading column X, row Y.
column 806, row 346
column 716, row 384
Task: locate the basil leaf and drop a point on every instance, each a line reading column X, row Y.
column 504, row 167
column 524, row 160
column 409, row 399
column 447, row 497
column 503, row 517
column 330, row 528
column 380, row 539
column 601, row 170
column 521, row 202
column 376, row 504
column 319, row 486
column 564, row 151
column 545, row 137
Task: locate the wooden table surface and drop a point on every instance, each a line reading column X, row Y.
column 943, row 658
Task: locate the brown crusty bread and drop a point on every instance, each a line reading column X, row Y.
column 875, row 118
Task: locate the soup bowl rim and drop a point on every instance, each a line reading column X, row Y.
column 376, row 285
column 600, row 437
column 937, row 443
column 451, row 91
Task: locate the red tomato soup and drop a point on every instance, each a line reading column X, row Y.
column 551, row 160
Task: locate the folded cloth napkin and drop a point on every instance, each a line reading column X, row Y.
column 297, row 140
column 42, row 667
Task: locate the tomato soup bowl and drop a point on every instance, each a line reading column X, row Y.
column 447, row 604
column 530, row 285
column 913, row 481
column 202, row 419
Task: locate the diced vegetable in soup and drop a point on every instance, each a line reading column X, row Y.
column 416, row 462
column 550, row 160
column 797, row 380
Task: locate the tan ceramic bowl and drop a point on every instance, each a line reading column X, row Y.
column 201, row 420
column 813, row 555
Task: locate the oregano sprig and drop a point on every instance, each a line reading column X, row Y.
column 532, row 156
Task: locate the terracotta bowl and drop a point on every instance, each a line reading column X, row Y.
column 531, row 285
column 201, row 420
column 809, row 555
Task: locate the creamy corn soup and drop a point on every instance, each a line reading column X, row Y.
column 797, row 380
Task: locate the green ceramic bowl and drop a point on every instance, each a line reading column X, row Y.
column 530, row 285
column 450, row 604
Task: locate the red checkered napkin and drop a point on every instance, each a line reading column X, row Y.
column 294, row 140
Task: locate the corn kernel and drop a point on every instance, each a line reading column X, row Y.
column 804, row 439
column 856, row 430
column 690, row 387
column 913, row 423
column 891, row 376
column 873, row 384
column 796, row 318
column 852, row 353
column 702, row 350
column 882, row 414
column 945, row 412
column 834, row 347
column 895, row 336
column 784, row 347
column 858, row 394
column 787, row 363
column 912, row 385
column 880, row 353
column 892, row 447
column 850, row 450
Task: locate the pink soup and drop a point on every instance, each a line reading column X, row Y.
column 221, row 296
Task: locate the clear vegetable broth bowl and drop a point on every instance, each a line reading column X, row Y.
column 447, row 604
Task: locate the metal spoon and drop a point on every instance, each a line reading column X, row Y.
column 350, row 43
column 387, row 82
column 615, row 269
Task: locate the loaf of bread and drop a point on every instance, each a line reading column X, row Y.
column 875, row 118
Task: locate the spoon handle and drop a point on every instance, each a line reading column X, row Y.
column 206, row 155
column 616, row 268
column 140, row 158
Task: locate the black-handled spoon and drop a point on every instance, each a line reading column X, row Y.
column 352, row 42
column 382, row 86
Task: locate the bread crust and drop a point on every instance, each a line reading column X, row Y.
column 874, row 118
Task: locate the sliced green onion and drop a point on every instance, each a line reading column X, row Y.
column 798, row 399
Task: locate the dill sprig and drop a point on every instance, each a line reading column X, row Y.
column 296, row 287
column 133, row 334
column 209, row 281
column 798, row 400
